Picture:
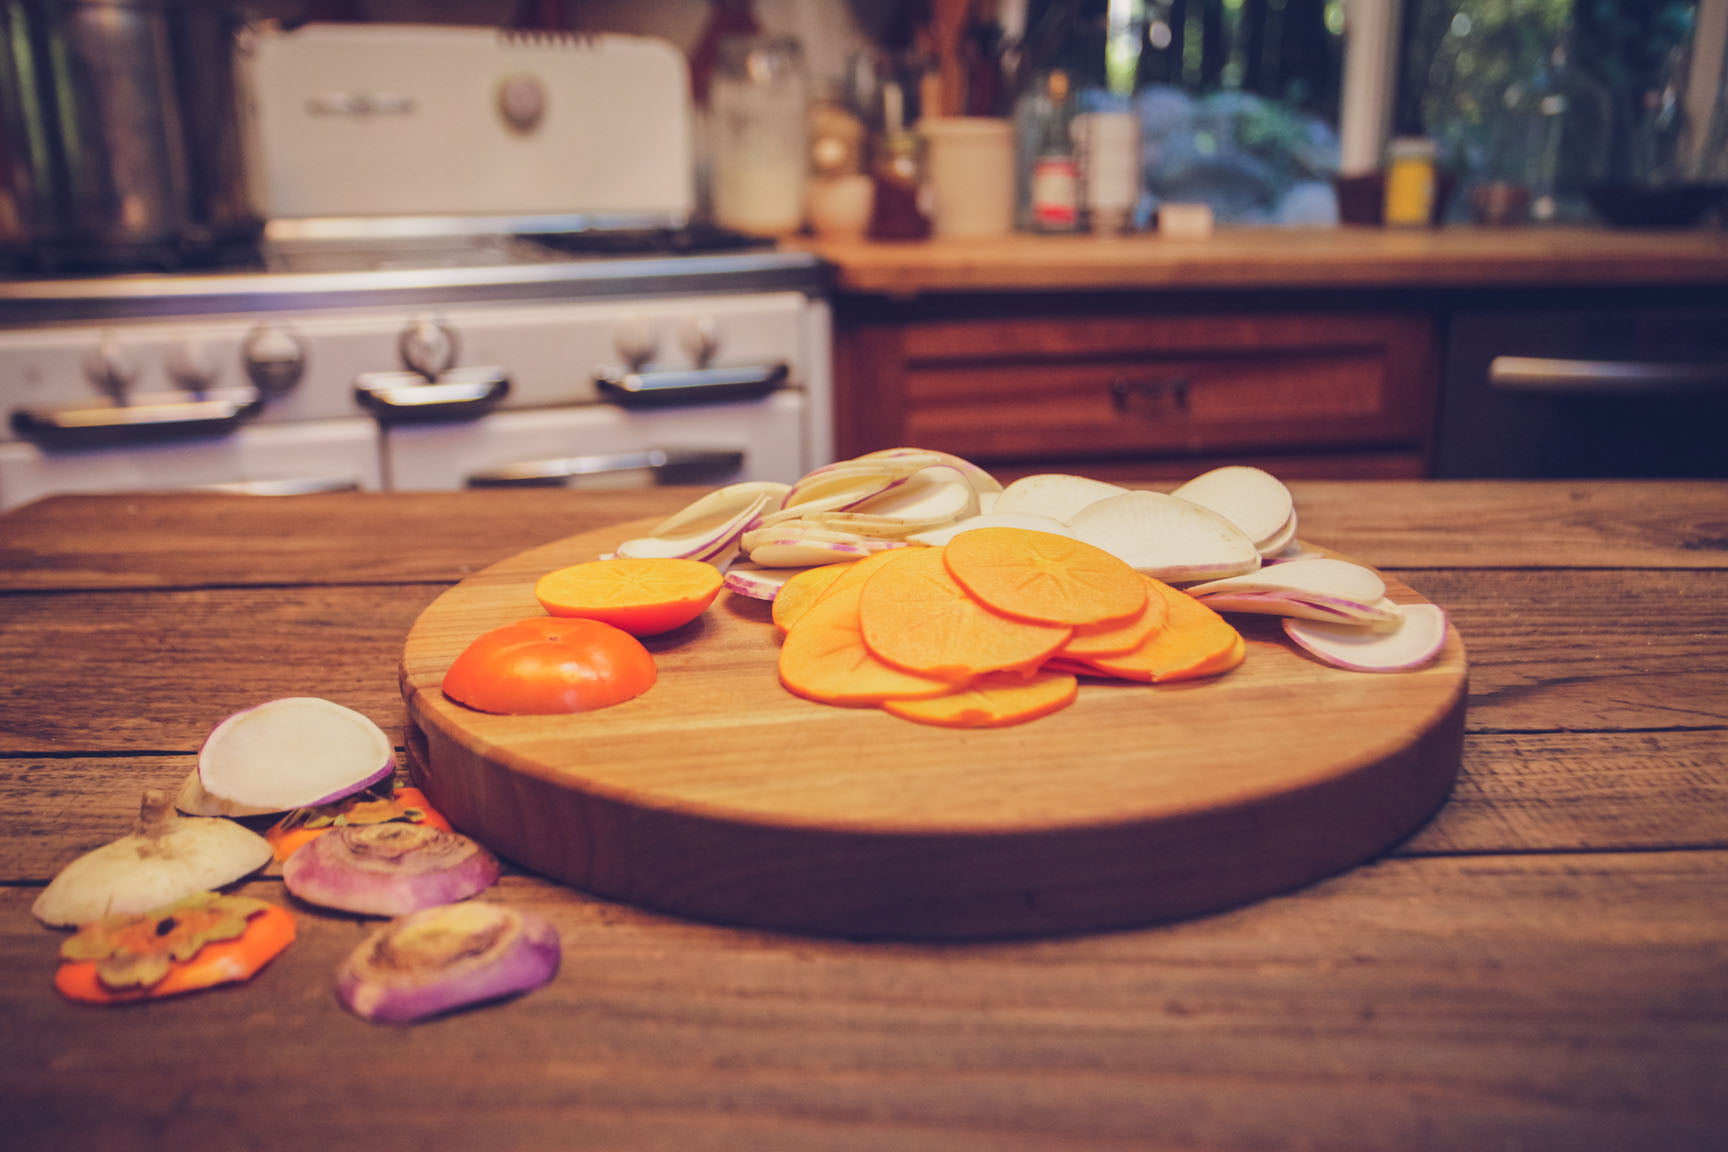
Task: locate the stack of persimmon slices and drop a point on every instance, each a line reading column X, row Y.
column 990, row 629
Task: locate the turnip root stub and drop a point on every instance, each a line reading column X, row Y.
column 445, row 958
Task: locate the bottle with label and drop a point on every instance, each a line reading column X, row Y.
column 1049, row 196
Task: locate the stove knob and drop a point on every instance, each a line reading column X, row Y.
column 191, row 366
column 428, row 346
column 701, row 339
column 637, row 342
column 522, row 102
column 275, row 357
column 110, row 369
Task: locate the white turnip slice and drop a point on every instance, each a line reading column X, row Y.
column 447, row 957
column 1166, row 537
column 720, row 507
column 1254, row 500
column 982, row 482
column 1305, row 605
column 1418, row 639
column 796, row 553
column 758, row 583
column 936, row 537
column 713, row 543
column 1057, row 495
column 164, row 859
column 296, row 752
column 1322, row 576
column 935, row 496
column 1276, row 544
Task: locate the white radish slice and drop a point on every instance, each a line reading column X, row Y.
column 980, row 479
column 1305, row 605
column 935, row 537
column 1418, row 639
column 1255, row 501
column 801, row 530
column 935, row 496
column 807, row 554
column 1166, row 537
column 714, row 544
column 721, row 507
column 297, row 752
column 1280, row 540
column 758, row 583
column 1055, row 494
column 1320, row 575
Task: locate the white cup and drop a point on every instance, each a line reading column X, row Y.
column 969, row 172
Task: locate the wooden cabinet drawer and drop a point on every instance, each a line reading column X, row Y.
column 1126, row 387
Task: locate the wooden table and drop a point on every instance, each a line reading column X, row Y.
column 1545, row 965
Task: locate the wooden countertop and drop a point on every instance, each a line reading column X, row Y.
column 1544, row 965
column 1332, row 258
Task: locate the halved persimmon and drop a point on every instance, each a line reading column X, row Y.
column 643, row 596
column 547, row 665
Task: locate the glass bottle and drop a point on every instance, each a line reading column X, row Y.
column 1049, row 194
column 758, row 105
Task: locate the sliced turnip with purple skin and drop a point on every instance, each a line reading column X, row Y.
column 388, row 869
column 757, row 583
column 807, row 554
column 1321, row 576
column 1305, row 605
column 981, row 480
column 1058, row 495
column 1280, row 540
column 1419, row 639
column 444, row 958
column 1252, row 499
column 935, row 537
column 1166, row 537
column 297, row 752
column 721, row 507
column 713, row 544
column 935, row 496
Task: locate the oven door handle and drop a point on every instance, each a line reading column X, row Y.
column 144, row 419
column 643, row 389
column 1603, row 377
column 410, row 398
column 665, row 465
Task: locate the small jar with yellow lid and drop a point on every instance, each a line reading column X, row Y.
column 1412, row 182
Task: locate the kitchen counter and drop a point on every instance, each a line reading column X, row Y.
column 1255, row 259
column 1544, row 965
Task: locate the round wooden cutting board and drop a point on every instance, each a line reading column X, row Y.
column 719, row 795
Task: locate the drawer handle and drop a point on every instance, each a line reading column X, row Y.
column 665, row 465
column 409, row 398
column 1602, row 377
column 1149, row 398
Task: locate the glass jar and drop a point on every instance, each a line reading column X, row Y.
column 1411, row 182
column 758, row 105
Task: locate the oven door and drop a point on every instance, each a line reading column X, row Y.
column 269, row 459
column 1588, row 392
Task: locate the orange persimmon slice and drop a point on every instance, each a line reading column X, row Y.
column 993, row 701
column 824, row 659
column 803, row 590
column 1115, row 637
column 915, row 616
column 643, row 596
column 1194, row 642
column 1044, row 577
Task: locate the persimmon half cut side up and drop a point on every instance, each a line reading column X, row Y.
column 642, row 596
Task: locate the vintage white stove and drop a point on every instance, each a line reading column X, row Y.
column 483, row 267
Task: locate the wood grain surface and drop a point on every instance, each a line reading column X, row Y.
column 719, row 794
column 1544, row 965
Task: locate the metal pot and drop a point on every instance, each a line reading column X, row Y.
column 121, row 130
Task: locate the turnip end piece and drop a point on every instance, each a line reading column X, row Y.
column 388, row 869
column 1419, row 638
column 166, row 858
column 297, row 752
column 1166, row 537
column 444, row 958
